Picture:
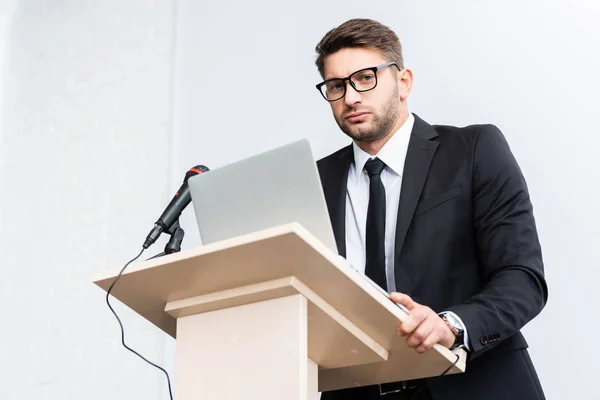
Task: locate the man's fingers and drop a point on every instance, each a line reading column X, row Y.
column 428, row 342
column 440, row 333
column 422, row 327
column 423, row 331
column 414, row 319
column 403, row 299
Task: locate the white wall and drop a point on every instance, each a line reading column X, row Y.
column 86, row 132
column 6, row 10
column 86, row 143
column 529, row 67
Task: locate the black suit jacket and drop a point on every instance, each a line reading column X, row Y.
column 466, row 241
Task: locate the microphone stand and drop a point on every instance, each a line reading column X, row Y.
column 174, row 243
column 177, row 233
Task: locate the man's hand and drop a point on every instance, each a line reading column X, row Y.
column 423, row 328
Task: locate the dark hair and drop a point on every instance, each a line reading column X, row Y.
column 359, row 32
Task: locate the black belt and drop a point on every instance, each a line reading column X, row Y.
column 402, row 386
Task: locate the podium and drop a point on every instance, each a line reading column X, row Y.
column 273, row 314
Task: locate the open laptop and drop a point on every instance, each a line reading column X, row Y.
column 272, row 188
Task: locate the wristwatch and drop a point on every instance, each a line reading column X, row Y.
column 456, row 328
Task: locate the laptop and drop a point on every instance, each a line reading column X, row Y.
column 276, row 187
column 272, row 188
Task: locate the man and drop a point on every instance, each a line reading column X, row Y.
column 439, row 216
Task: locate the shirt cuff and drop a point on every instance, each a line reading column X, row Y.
column 464, row 328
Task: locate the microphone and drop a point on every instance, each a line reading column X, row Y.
column 171, row 214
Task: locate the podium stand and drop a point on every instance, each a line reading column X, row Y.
column 273, row 314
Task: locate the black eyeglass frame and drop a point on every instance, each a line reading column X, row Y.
column 349, row 78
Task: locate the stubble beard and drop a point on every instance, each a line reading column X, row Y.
column 381, row 123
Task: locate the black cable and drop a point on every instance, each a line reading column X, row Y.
column 121, row 325
column 158, row 255
column 451, row 366
column 443, row 373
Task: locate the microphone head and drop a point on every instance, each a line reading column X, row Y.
column 197, row 170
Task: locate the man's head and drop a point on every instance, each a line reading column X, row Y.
column 371, row 104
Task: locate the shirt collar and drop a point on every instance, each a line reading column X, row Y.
column 390, row 152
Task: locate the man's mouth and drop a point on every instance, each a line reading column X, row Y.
column 357, row 116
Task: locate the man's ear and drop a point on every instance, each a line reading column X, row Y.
column 405, row 82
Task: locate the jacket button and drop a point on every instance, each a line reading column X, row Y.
column 484, row 340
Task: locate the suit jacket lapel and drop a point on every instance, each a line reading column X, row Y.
column 335, row 195
column 416, row 167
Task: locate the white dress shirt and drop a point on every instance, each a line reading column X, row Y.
column 393, row 154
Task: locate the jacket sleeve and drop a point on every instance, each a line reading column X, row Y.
column 511, row 265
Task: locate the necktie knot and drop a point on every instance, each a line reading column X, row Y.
column 374, row 167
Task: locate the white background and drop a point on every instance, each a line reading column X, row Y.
column 104, row 105
column 85, row 133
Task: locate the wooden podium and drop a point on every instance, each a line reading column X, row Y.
column 273, row 314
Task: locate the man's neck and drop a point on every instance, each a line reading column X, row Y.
column 374, row 147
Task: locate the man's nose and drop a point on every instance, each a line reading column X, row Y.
column 352, row 96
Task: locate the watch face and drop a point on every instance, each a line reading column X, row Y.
column 453, row 322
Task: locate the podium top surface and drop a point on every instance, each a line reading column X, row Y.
column 263, row 256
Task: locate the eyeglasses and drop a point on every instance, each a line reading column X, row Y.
column 362, row 81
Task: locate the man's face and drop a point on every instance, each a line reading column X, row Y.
column 366, row 116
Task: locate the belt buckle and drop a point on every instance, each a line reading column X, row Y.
column 403, row 386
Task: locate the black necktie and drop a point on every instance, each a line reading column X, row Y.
column 375, row 240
